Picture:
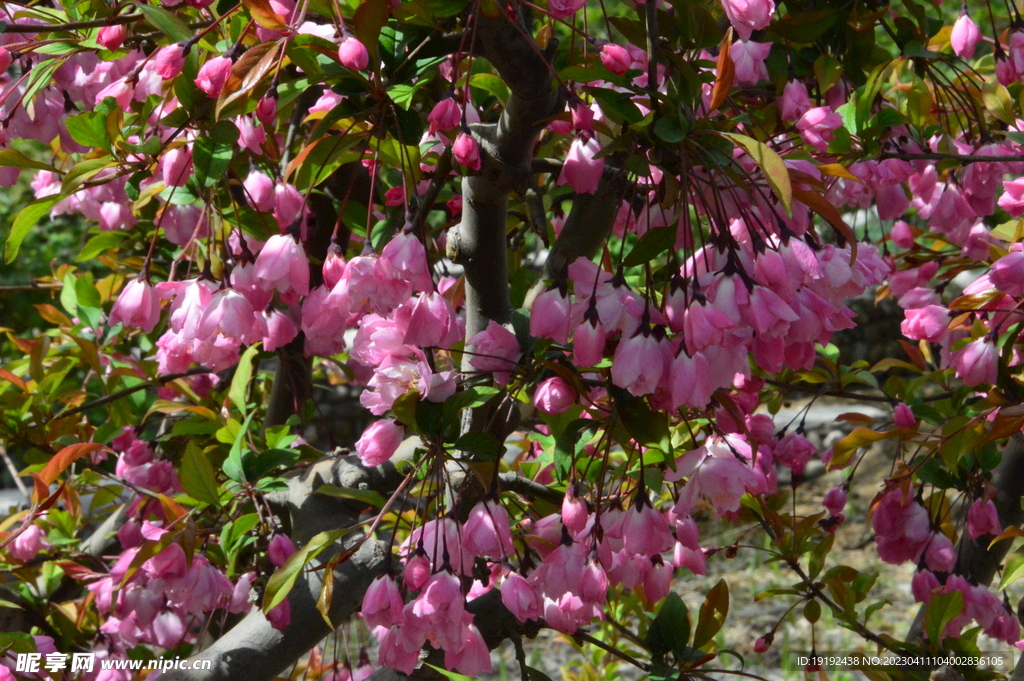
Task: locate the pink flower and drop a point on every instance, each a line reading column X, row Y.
column 121, row 90
column 111, row 37
column 928, row 323
column 794, row 451
column 561, row 9
column 408, row 260
column 280, row 549
column 747, row 16
column 486, row 532
column 445, row 115
column 615, row 58
column 266, row 110
column 983, row 519
column 554, row 396
column 176, row 166
column 588, row 341
column 379, row 442
column 213, row 75
column 259, row 190
column 228, row 313
column 28, row 544
column 471, row 656
column 1007, row 274
column 644, row 530
column 496, row 350
column 138, row 306
column 965, row 36
column 581, row 170
column 574, row 511
column 940, row 556
column 762, row 644
column 395, row 196
column 794, row 102
column 549, row 316
column 5, row 59
column 429, row 322
column 382, row 603
column 977, row 362
column 748, row 59
column 1012, row 200
column 519, row 596
column 835, row 500
column 240, row 594
column 353, row 54
column 817, row 126
column 639, row 363
column 903, row 416
column 280, row 615
column 282, row 265
column 288, row 204
column 466, row 151
column 690, row 380
column 280, row 330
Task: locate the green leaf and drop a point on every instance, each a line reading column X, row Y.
column 567, row 447
column 211, row 155
column 160, row 18
column 772, row 165
column 712, row 616
column 27, row 219
column 1013, row 570
column 652, row 244
column 12, row 158
column 648, row 428
column 670, row 630
column 941, row 610
column 480, row 445
column 365, row 496
column 282, row 581
column 197, row 475
column 454, row 676
column 101, row 243
column 240, row 381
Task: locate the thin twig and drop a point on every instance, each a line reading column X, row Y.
column 963, row 158
column 72, row 26
column 31, row 287
column 113, row 397
column 581, row 636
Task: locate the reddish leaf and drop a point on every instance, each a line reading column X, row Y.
column 726, row 72
column 11, row 378
column 264, row 14
column 65, row 457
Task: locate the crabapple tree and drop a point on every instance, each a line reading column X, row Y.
column 572, row 257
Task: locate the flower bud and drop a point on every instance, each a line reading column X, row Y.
column 170, row 60
column 762, row 644
column 353, row 54
column 111, row 37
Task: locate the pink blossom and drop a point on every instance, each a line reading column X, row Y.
column 445, row 115
column 639, row 363
column 282, row 265
column 581, row 170
column 470, row 656
column 288, row 204
column 965, row 36
column 229, row 313
column 977, row 362
column 574, row 511
column 748, row 59
column 240, row 594
column 588, row 341
column 429, row 321
column 903, row 416
column 398, row 375
column 795, row 101
column 5, row 59
column 259, row 189
column 169, row 61
column 940, row 556
column 747, row 16
column 835, row 500
column 28, row 544
column 353, row 54
column 762, row 644
column 495, row 350
column 817, row 126
column 983, row 519
column 280, row 615
column 280, row 549
column 379, row 442
column 266, row 110
column 280, row 329
column 615, row 58
column 466, row 151
column 121, row 90
column 407, row 258
column 519, row 596
column 176, row 166
column 928, row 323
column 562, row 9
column 382, row 603
column 690, row 381
column 213, row 75
column 1012, row 200
column 486, row 532
column 644, row 530
column 549, row 316
column 554, row 395
column 111, row 37
column 137, row 306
